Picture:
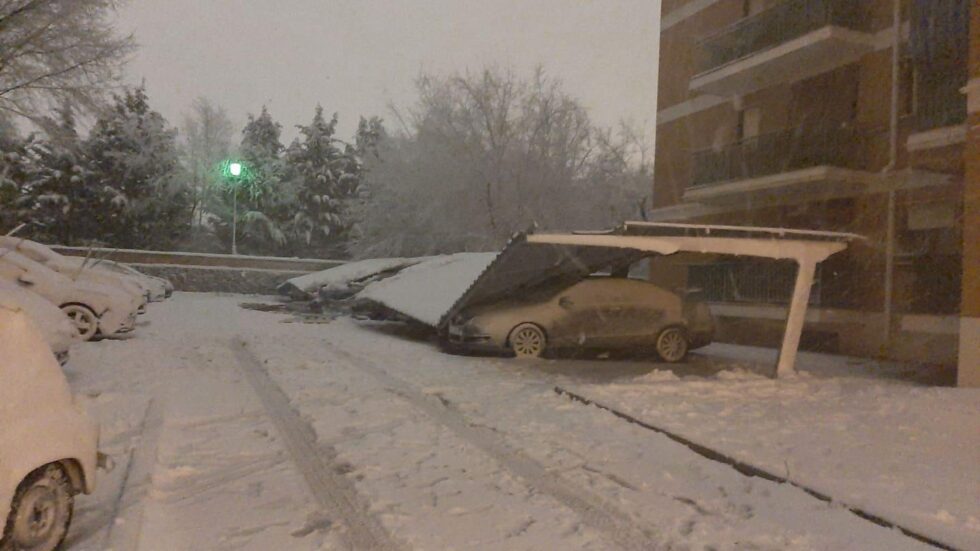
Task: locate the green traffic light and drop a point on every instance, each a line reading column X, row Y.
column 235, row 169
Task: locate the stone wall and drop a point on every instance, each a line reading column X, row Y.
column 225, row 280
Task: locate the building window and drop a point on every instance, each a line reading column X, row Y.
column 749, row 123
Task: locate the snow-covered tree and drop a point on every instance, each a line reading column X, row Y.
column 133, row 156
column 57, row 196
column 326, row 174
column 14, row 171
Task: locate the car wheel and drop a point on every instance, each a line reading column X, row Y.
column 527, row 341
column 84, row 319
column 672, row 344
column 40, row 512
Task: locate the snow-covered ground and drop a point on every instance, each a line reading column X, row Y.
column 239, row 429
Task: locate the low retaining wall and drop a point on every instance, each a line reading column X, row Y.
column 212, row 279
column 223, row 273
column 133, row 256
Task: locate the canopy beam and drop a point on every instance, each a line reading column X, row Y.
column 795, row 318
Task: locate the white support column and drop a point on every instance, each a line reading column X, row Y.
column 795, row 319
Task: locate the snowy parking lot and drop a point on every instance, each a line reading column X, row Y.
column 233, row 428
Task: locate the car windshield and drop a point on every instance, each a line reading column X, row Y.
column 494, row 274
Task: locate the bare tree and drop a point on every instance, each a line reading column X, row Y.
column 207, row 134
column 52, row 51
column 488, row 154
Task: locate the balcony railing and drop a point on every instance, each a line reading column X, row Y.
column 776, row 25
column 783, row 151
column 767, row 282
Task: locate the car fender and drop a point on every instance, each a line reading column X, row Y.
column 33, row 436
column 68, row 436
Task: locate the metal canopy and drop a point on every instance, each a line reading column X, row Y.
column 524, row 266
column 559, row 259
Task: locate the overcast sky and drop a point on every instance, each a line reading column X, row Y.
column 358, row 56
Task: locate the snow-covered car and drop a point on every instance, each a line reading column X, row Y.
column 77, row 269
column 57, row 329
column 94, row 309
column 597, row 312
column 48, row 445
column 157, row 288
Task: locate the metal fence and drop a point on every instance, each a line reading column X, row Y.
column 781, row 151
column 776, row 25
column 755, row 282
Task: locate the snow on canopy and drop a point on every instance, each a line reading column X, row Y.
column 427, row 290
column 339, row 279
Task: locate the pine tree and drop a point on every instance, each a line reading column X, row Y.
column 56, row 192
column 326, row 174
column 135, row 167
column 14, row 170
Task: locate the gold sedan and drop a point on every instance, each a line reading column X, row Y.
column 597, row 312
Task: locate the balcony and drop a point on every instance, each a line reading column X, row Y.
column 792, row 41
column 787, row 163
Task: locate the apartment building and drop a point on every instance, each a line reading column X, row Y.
column 804, row 114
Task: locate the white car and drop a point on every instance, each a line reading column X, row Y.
column 59, row 332
column 94, row 309
column 48, row 445
column 158, row 288
column 74, row 268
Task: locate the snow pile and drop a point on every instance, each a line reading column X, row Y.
column 426, row 291
column 850, row 428
column 343, row 280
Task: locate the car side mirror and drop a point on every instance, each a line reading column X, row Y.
column 566, row 302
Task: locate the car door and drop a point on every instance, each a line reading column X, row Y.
column 628, row 313
column 647, row 311
column 577, row 314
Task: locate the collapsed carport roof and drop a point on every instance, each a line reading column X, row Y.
column 532, row 261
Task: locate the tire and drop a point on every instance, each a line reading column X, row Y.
column 84, row 320
column 527, row 340
column 672, row 344
column 40, row 513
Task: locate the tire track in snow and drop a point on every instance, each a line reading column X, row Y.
column 625, row 531
column 333, row 491
column 126, row 520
